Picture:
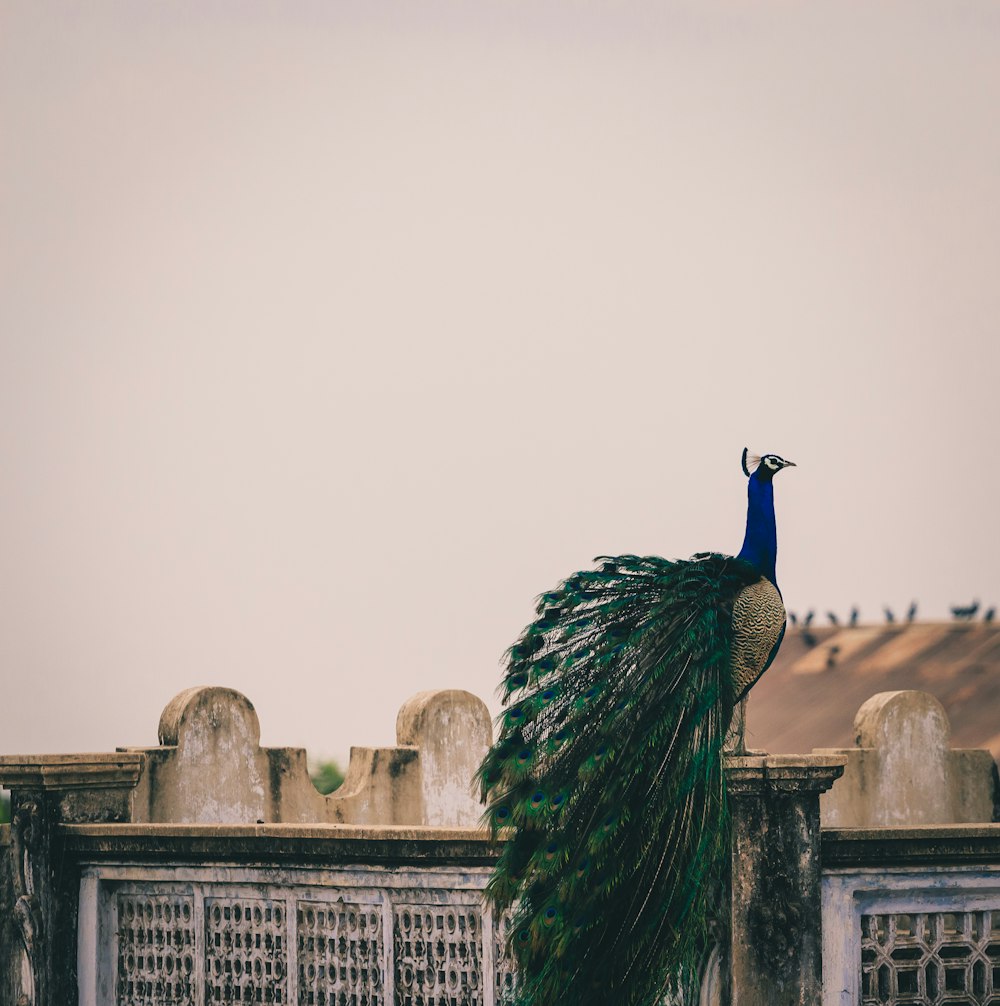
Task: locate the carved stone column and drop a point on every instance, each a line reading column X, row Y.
column 775, row 947
column 46, row 791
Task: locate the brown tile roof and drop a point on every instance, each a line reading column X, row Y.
column 810, row 694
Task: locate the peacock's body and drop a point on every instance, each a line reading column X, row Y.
column 608, row 768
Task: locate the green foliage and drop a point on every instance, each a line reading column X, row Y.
column 327, row 776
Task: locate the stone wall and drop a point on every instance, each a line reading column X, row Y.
column 903, row 771
column 208, row 822
column 209, row 767
column 9, row 957
column 210, row 772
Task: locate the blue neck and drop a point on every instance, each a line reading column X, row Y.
column 760, row 546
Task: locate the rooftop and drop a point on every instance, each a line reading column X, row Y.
column 821, row 677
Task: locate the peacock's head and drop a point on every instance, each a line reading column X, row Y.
column 765, row 465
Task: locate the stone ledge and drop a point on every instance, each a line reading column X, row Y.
column 427, row 833
column 268, row 843
column 72, row 771
column 924, row 845
column 748, row 774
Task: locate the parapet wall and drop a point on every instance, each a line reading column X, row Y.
column 210, row 768
column 903, row 771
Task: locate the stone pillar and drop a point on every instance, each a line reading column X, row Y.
column 46, row 791
column 775, row 947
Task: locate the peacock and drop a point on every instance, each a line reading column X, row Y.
column 606, row 779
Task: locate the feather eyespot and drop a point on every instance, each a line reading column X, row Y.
column 537, row 799
column 524, row 756
column 501, row 814
column 550, row 850
column 549, row 917
column 589, row 695
column 557, row 801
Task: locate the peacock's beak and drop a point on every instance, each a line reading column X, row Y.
column 791, row 464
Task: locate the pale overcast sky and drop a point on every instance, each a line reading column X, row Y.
column 333, row 333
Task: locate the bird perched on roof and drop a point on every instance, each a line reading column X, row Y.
column 607, row 774
column 966, row 613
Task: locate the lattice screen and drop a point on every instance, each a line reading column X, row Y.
column 246, row 946
column 930, row 959
column 437, row 951
column 340, row 950
column 266, row 943
column 503, row 964
column 155, row 950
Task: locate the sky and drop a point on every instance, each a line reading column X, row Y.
column 331, row 334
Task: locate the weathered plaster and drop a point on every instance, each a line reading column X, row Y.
column 903, row 770
column 452, row 731
column 210, row 767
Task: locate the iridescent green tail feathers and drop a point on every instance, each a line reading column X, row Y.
column 607, row 778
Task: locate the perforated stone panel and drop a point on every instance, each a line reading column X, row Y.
column 156, row 953
column 438, row 951
column 503, row 966
column 930, row 959
column 246, row 951
column 340, row 949
column 222, row 936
